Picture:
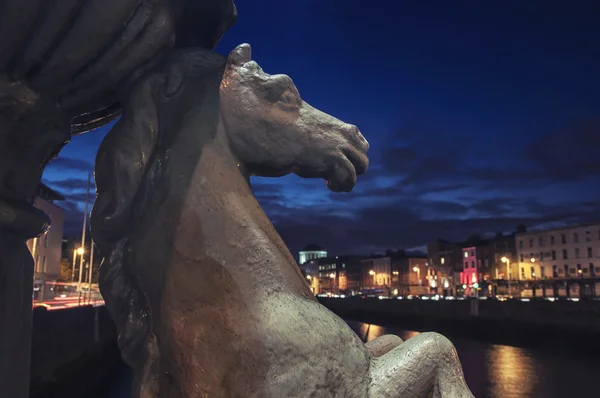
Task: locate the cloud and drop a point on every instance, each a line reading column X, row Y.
column 73, row 164
column 69, row 184
column 442, row 186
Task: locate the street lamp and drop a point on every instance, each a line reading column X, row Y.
column 507, row 261
column 78, row 251
column 372, row 273
column 308, row 277
column 418, row 271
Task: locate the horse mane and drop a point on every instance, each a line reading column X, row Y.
column 130, row 172
column 124, row 159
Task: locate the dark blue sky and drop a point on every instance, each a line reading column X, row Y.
column 479, row 117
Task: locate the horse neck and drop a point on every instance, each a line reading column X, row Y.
column 232, row 228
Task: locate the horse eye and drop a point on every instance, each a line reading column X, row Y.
column 289, row 98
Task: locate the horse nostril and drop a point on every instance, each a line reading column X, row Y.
column 363, row 144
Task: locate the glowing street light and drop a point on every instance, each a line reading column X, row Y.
column 532, row 259
column 507, row 261
column 332, row 275
column 80, row 251
column 371, row 272
column 308, row 277
column 418, row 271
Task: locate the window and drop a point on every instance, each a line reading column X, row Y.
column 555, row 271
column 553, row 254
column 575, row 237
column 472, row 264
column 579, row 271
column 541, row 256
column 530, row 243
column 532, row 272
column 590, row 253
column 552, row 240
column 520, row 244
column 566, row 267
column 588, row 236
column 542, row 273
column 522, row 272
column 541, row 241
column 472, row 253
column 466, row 254
column 443, row 260
column 592, row 271
column 563, row 239
column 576, row 252
column 521, row 258
column 565, row 254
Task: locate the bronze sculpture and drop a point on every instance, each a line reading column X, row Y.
column 207, row 298
column 64, row 69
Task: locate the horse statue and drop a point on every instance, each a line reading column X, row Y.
column 207, row 299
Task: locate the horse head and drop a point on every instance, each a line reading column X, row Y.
column 274, row 132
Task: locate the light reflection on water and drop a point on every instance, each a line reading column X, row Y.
column 492, row 371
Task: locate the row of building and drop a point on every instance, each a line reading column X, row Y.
column 560, row 262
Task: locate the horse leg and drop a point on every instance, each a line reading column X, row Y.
column 383, row 344
column 425, row 365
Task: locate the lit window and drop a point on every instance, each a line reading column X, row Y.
column 466, row 254
column 443, row 260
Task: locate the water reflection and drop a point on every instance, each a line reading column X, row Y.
column 511, row 371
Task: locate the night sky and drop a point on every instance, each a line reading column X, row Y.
column 479, row 117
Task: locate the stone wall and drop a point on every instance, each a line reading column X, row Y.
column 510, row 322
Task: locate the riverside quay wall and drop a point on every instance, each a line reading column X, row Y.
column 558, row 324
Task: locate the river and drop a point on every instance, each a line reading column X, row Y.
column 494, row 371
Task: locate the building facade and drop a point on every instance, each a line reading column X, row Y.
column 46, row 249
column 412, row 275
column 311, row 252
column 570, row 252
column 340, row 274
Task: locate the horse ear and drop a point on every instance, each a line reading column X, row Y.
column 240, row 55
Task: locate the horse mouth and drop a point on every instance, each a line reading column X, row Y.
column 343, row 175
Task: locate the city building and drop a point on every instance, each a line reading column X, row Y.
column 569, row 254
column 446, row 261
column 311, row 252
column 339, row 274
column 412, row 275
column 487, row 264
column 377, row 273
column 46, row 249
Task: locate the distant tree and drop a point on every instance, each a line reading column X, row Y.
column 65, row 270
